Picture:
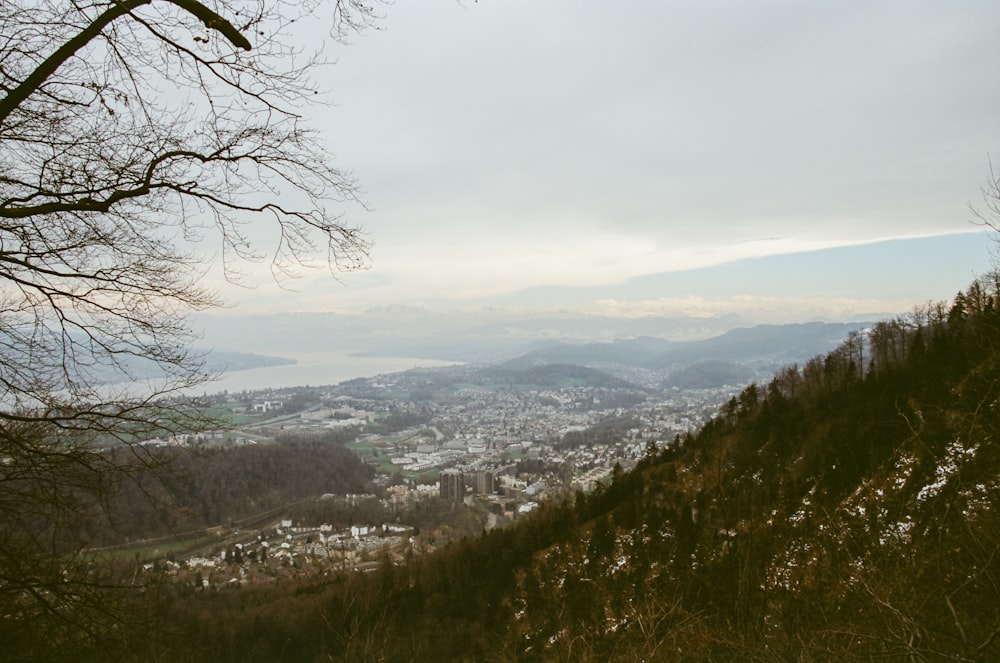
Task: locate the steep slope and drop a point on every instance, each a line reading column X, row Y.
column 847, row 511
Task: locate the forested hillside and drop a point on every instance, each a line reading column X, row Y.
column 846, row 510
column 213, row 486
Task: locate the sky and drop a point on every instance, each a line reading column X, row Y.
column 625, row 158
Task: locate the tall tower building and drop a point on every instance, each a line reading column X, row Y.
column 485, row 483
column 452, row 485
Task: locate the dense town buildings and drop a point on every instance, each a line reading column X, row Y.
column 448, row 425
column 497, row 451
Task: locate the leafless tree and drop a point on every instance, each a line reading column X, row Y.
column 988, row 213
column 138, row 138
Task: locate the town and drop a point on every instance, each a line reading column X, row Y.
column 491, row 445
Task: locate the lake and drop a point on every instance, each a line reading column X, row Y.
column 315, row 370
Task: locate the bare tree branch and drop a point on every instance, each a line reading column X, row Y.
column 137, row 138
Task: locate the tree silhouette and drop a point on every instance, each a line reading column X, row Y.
column 137, row 137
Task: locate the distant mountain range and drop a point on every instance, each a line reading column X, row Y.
column 845, row 284
column 735, row 357
column 729, row 358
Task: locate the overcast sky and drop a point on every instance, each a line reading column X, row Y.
column 507, row 145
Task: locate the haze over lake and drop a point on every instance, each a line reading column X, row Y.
column 315, row 370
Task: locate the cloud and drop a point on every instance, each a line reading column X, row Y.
column 755, row 309
column 513, row 145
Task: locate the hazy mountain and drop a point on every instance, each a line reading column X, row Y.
column 773, row 344
column 783, row 344
column 830, row 285
column 709, row 374
column 626, row 352
column 223, row 360
column 469, row 336
column 557, row 375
